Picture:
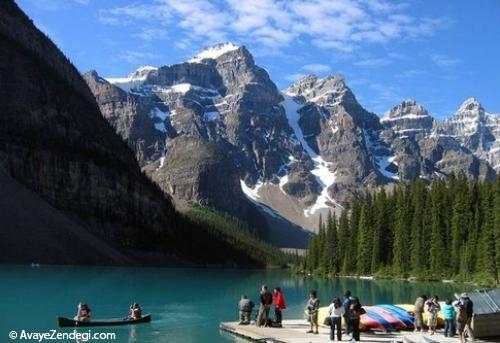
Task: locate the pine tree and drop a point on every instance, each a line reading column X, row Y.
column 496, row 227
column 459, row 223
column 352, row 245
column 331, row 247
column 400, row 246
column 365, row 248
column 417, row 228
column 487, row 254
column 437, row 241
column 344, row 239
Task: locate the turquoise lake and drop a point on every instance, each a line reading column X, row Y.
column 186, row 304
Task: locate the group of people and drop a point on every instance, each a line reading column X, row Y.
column 457, row 316
column 267, row 300
column 84, row 311
column 349, row 308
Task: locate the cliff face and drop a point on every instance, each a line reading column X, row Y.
column 55, row 143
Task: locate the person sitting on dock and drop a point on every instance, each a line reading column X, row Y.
column 135, row 311
column 83, row 312
column 279, row 306
column 266, row 300
column 312, row 310
column 245, row 307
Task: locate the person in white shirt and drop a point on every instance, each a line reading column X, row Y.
column 336, row 312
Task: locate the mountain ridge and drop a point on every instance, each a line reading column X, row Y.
column 73, row 190
column 312, row 145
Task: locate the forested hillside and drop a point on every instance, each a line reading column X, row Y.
column 450, row 229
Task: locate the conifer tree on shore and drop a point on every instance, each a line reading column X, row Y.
column 445, row 229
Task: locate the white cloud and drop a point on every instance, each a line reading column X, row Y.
column 342, row 25
column 317, row 68
column 444, row 61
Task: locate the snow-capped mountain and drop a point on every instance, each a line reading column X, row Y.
column 476, row 130
column 297, row 153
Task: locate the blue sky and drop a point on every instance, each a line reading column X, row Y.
column 438, row 52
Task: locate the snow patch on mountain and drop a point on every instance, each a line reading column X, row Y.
column 406, row 116
column 214, row 52
column 132, row 81
column 251, row 193
column 383, row 156
column 321, row 171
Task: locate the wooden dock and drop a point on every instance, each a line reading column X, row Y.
column 294, row 331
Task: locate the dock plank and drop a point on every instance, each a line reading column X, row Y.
column 294, row 331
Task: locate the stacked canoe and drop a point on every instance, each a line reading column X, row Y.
column 385, row 317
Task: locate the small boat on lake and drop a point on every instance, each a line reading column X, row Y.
column 67, row 322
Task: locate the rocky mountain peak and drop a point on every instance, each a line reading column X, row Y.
column 467, row 120
column 327, row 90
column 408, row 119
column 214, row 52
column 134, row 79
column 94, row 76
column 408, row 107
column 470, row 108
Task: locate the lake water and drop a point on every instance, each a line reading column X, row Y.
column 186, row 304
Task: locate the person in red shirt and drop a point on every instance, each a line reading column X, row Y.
column 279, row 305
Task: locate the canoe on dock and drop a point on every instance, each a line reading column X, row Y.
column 67, row 322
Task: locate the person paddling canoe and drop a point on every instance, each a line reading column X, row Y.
column 83, row 312
column 135, row 311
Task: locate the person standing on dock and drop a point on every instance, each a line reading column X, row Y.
column 433, row 308
column 266, row 300
column 468, row 305
column 354, row 317
column 279, row 305
column 346, row 303
column 336, row 312
column 312, row 310
column 418, row 311
column 450, row 315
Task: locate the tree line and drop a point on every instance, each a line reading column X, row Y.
column 449, row 229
